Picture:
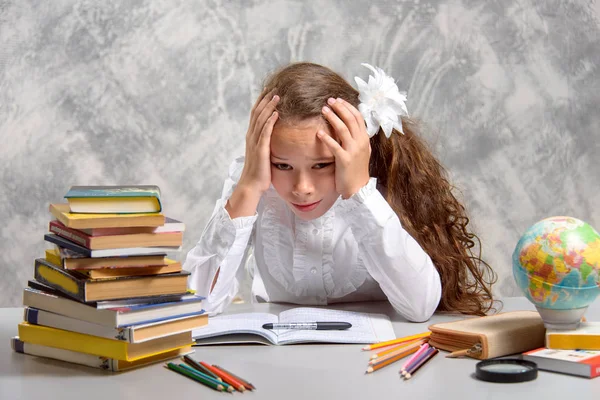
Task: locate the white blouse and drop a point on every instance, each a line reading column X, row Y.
column 356, row 251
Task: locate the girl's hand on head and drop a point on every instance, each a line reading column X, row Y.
column 256, row 175
column 353, row 154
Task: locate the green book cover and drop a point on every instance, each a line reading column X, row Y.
column 117, row 192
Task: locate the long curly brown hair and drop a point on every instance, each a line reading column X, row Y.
column 415, row 185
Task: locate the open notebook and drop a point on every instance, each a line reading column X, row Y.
column 247, row 328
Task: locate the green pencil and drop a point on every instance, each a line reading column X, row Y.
column 195, row 377
column 227, row 386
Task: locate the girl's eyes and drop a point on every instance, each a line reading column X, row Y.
column 322, row 165
column 287, row 167
column 282, row 167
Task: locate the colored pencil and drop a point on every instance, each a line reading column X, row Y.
column 432, row 353
column 412, row 348
column 396, row 341
column 227, row 387
column 225, row 376
column 396, row 347
column 387, row 361
column 205, row 382
column 417, row 360
column 414, row 357
column 246, row 384
column 194, row 364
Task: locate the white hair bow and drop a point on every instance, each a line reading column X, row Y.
column 381, row 103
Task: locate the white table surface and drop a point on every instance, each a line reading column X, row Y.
column 290, row 372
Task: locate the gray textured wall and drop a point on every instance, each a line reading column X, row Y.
column 115, row 92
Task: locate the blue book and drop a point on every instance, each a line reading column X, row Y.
column 114, row 199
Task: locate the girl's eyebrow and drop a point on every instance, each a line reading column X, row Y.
column 322, row 159
column 328, row 159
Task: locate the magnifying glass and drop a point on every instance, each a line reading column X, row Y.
column 506, row 370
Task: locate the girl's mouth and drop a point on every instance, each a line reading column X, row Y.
column 306, row 207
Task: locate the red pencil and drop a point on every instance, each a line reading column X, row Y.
column 239, row 386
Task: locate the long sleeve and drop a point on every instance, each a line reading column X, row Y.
column 394, row 259
column 223, row 246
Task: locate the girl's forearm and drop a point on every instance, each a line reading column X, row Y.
column 243, row 202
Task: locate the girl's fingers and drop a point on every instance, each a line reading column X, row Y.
column 264, row 115
column 259, row 106
column 360, row 122
column 338, row 125
column 338, row 105
column 263, row 99
column 264, row 140
column 337, row 150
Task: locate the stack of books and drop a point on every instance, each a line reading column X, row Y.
column 106, row 295
column 573, row 352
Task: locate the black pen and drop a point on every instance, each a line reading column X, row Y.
column 319, row 326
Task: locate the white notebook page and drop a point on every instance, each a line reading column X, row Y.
column 366, row 327
column 237, row 323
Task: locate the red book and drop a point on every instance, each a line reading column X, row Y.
column 584, row 363
column 171, row 239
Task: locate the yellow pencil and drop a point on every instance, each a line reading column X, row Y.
column 396, row 347
column 395, row 357
column 410, row 348
column 396, row 341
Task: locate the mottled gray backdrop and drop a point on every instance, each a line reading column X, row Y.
column 158, row 92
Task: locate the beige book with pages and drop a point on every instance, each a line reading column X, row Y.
column 490, row 336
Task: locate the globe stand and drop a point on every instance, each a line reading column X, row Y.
column 561, row 319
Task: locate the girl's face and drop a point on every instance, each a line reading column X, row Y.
column 303, row 168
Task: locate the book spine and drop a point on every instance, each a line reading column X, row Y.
column 56, row 213
column 62, row 242
column 594, row 364
column 52, row 320
column 572, row 342
column 61, row 355
column 73, row 341
column 70, row 234
column 59, row 279
column 71, row 308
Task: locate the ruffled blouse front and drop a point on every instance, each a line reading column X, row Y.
column 356, row 251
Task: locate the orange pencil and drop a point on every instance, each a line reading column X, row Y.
column 396, row 347
column 393, row 354
column 388, row 361
column 239, row 386
column 396, row 341
column 244, row 382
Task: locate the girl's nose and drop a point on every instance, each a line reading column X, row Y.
column 303, row 186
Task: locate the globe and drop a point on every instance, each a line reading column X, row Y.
column 556, row 264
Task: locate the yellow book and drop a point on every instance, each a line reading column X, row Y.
column 114, row 199
column 109, row 364
column 89, row 221
column 53, row 257
column 82, row 343
column 585, row 337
